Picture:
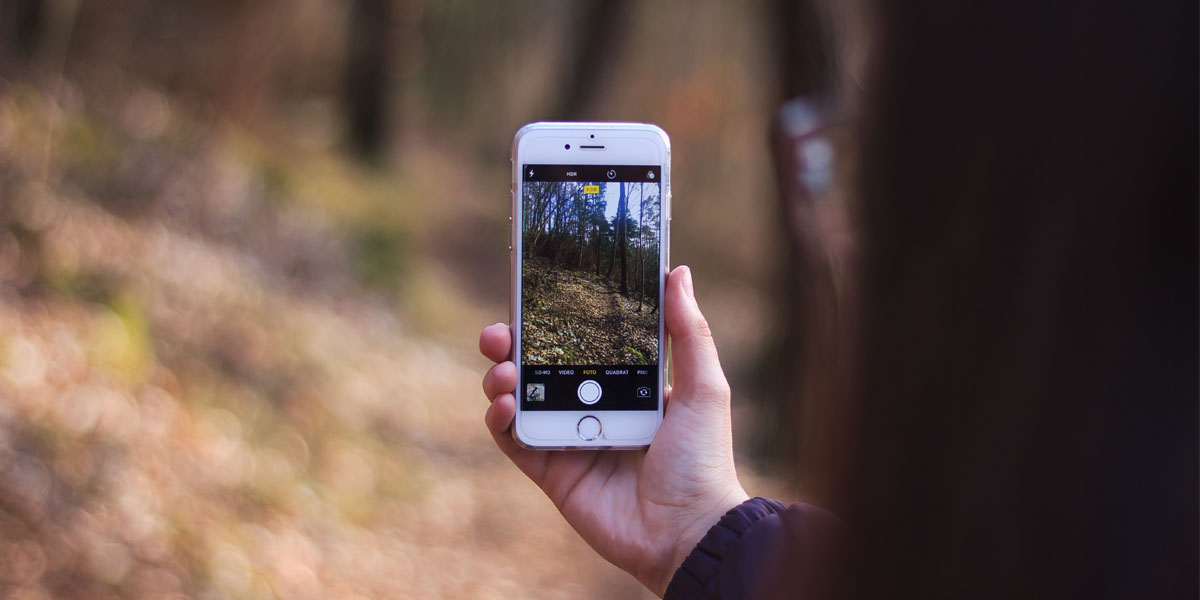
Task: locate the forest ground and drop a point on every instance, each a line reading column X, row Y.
column 579, row 318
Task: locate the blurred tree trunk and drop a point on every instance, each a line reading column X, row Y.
column 21, row 29
column 802, row 46
column 798, row 373
column 36, row 35
column 368, row 87
column 598, row 35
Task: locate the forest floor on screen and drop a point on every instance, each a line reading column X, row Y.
column 577, row 318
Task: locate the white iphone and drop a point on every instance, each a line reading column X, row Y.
column 591, row 210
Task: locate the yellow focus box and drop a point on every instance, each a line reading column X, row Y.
column 591, row 189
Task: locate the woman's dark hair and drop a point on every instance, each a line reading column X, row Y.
column 1024, row 382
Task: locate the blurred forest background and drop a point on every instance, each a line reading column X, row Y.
column 246, row 247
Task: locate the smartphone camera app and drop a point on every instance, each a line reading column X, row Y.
column 591, row 279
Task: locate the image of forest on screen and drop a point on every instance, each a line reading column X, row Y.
column 590, row 273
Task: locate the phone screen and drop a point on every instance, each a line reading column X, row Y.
column 591, row 284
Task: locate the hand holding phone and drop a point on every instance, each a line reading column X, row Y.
column 643, row 511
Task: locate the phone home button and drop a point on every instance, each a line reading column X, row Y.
column 589, row 392
column 588, row 428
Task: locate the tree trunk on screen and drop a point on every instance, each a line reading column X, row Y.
column 581, row 213
column 623, row 207
column 641, row 245
column 537, row 221
column 596, row 248
column 618, row 228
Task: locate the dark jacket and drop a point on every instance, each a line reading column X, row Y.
column 761, row 548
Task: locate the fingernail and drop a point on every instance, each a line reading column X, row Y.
column 687, row 282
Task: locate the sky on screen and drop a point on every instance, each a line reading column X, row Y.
column 612, row 196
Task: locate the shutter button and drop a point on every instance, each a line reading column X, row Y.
column 589, row 392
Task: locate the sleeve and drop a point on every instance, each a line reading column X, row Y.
column 759, row 547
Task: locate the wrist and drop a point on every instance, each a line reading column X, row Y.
column 691, row 534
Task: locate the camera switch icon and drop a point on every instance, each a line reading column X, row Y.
column 643, row 392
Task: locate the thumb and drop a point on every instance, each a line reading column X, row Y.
column 696, row 370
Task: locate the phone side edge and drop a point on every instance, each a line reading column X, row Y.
column 514, row 259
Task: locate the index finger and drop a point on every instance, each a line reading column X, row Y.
column 495, row 341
